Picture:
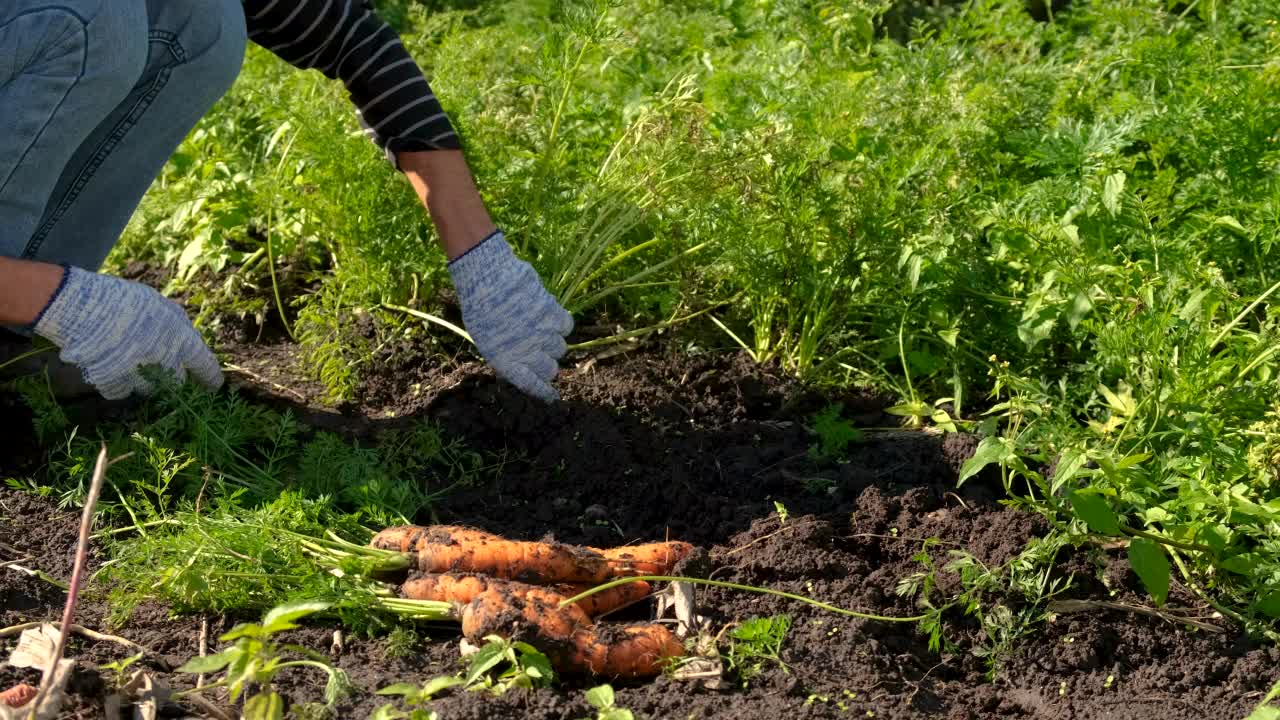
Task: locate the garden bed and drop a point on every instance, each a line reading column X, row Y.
column 716, row 451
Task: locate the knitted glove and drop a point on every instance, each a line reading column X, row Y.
column 516, row 324
column 109, row 328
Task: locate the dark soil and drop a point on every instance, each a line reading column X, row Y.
column 708, row 449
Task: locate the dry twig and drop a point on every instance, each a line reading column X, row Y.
column 77, row 574
column 1076, row 606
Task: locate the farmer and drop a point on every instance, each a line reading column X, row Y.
column 94, row 97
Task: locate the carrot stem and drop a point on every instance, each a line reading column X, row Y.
column 747, row 588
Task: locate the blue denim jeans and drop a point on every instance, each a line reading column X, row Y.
column 95, row 95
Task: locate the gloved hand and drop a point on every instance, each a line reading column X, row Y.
column 109, row 328
column 516, row 324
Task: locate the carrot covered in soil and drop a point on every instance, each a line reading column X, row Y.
column 408, row 538
column 446, row 548
column 463, row 588
column 649, row 559
column 18, row 695
column 567, row 636
column 605, row 601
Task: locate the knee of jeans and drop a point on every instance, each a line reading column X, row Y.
column 106, row 51
column 214, row 40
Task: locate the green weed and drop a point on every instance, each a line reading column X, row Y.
column 255, row 658
column 835, row 434
column 755, row 644
column 601, row 697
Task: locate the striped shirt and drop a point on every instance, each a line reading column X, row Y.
column 344, row 39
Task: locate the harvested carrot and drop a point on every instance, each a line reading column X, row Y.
column 567, row 637
column 18, row 695
column 605, row 601
column 639, row 651
column 409, row 538
column 448, row 587
column 650, row 559
column 463, row 588
column 448, row 548
column 509, row 610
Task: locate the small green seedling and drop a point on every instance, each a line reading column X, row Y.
column 602, row 699
column 519, row 665
column 119, row 668
column 835, row 434
column 254, row 660
column 415, row 695
column 755, row 643
column 498, row 666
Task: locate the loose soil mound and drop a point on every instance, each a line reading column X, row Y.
column 701, row 448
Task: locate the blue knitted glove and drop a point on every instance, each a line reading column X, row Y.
column 109, row 328
column 516, row 324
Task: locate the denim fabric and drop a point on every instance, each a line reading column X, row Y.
column 95, row 95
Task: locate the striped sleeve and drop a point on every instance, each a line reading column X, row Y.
column 345, row 39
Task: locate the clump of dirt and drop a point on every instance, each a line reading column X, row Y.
column 717, row 451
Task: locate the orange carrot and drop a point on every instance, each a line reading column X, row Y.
column 448, row 548
column 640, row 651
column 408, row 538
column 567, row 636
column 530, row 562
column 463, row 588
column 650, row 559
column 18, row 695
column 509, row 611
column 447, row 587
column 605, row 601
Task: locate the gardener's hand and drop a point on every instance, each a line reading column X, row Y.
column 516, row 324
column 109, row 328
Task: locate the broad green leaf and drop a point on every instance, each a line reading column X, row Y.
column 190, row 254
column 439, row 684
column 402, row 689
column 337, row 686
column 1037, row 326
column 600, row 696
column 1156, row 515
column 1265, row 712
column 264, row 706
column 210, row 663
column 1269, row 604
column 943, row 420
column 537, row 665
column 1094, row 511
column 992, row 449
column 1229, row 222
column 949, row 336
column 1252, row 509
column 1112, row 188
column 1081, row 304
column 1069, row 463
column 282, row 617
column 1131, row 460
column 1152, row 566
column 489, row 656
column 1122, row 403
column 1243, row 564
column 1192, row 307
column 1217, row 537
column 910, row 409
column 243, row 630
